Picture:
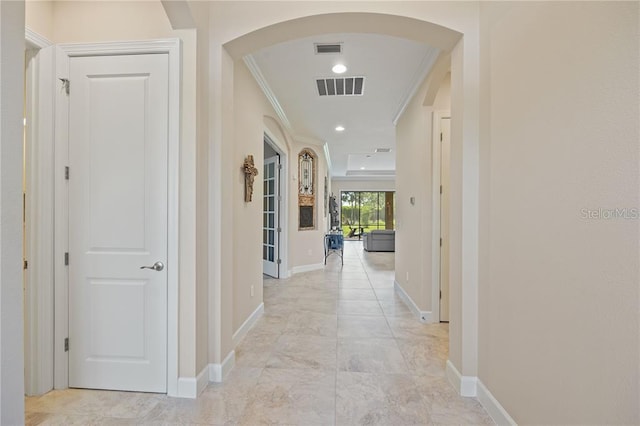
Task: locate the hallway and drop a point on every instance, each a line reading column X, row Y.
column 335, row 346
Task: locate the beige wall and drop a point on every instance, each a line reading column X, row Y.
column 414, row 223
column 338, row 185
column 221, row 196
column 559, row 292
column 39, row 17
column 413, row 237
column 442, row 101
column 95, row 21
column 250, row 107
column 105, row 20
column 456, row 343
column 200, row 13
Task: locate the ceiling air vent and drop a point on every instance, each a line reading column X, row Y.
column 328, row 48
column 383, row 149
column 342, row 86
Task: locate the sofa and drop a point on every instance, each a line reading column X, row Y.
column 380, row 240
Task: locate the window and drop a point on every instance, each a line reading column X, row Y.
column 363, row 211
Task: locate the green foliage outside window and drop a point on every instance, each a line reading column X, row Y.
column 363, row 211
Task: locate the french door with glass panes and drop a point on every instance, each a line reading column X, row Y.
column 270, row 217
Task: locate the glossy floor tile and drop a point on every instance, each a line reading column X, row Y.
column 335, row 346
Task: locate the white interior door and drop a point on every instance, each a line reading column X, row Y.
column 445, row 152
column 270, row 217
column 118, row 142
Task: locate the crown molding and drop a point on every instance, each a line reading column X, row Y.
column 421, row 73
column 266, row 89
column 36, row 40
column 327, row 157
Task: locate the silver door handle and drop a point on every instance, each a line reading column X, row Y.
column 158, row 266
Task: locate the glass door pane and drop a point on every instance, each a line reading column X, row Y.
column 269, row 213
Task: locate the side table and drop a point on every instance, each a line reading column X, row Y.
column 333, row 244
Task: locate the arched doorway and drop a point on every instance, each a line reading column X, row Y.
column 231, row 44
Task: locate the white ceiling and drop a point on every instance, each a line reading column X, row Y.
column 393, row 68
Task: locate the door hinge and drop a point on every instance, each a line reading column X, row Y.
column 279, row 166
column 66, row 344
column 440, row 136
column 279, row 261
column 440, row 294
column 25, row 264
column 66, row 259
column 440, row 242
column 65, row 84
column 441, row 189
column 66, row 173
column 279, row 230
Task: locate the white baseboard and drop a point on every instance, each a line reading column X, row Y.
column 247, row 324
column 465, row 385
column 218, row 372
column 190, row 387
column 202, row 380
column 493, row 407
column 472, row 386
column 306, row 268
column 423, row 316
column 284, row 274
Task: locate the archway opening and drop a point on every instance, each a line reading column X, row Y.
column 451, row 45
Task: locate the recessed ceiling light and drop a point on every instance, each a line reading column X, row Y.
column 361, row 168
column 339, row 68
column 339, row 128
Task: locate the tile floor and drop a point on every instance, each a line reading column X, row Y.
column 334, row 347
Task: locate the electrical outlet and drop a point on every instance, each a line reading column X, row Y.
column 251, row 291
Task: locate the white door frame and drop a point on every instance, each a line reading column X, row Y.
column 283, row 205
column 435, row 245
column 39, row 215
column 172, row 47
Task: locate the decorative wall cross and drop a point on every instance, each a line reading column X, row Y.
column 250, row 173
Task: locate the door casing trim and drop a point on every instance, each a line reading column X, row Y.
column 38, row 215
column 435, row 245
column 171, row 47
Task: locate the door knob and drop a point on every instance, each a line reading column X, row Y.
column 158, row 266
